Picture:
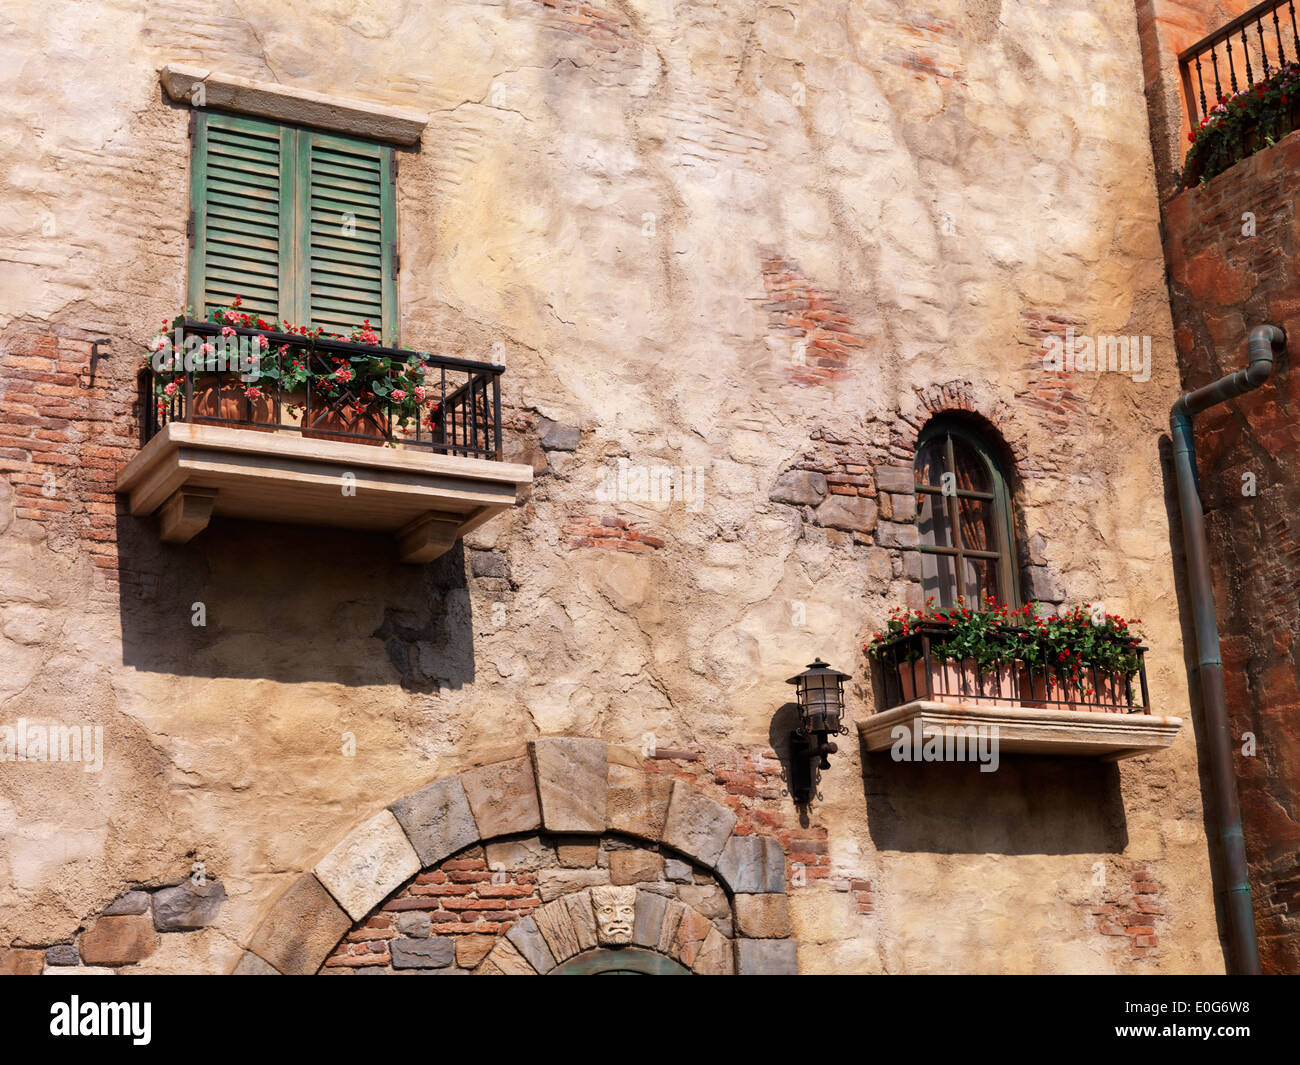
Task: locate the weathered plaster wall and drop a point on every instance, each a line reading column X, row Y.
column 639, row 203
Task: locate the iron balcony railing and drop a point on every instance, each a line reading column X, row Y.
column 1250, row 48
column 461, row 414
column 914, row 667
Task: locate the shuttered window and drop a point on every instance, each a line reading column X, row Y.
column 301, row 224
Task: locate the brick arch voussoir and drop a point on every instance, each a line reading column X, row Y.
column 961, row 397
column 559, row 785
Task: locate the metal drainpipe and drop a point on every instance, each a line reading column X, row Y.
column 1264, row 340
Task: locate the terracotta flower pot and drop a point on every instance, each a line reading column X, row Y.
column 219, row 401
column 1110, row 694
column 953, row 681
column 365, row 427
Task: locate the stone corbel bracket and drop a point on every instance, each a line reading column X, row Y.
column 204, row 89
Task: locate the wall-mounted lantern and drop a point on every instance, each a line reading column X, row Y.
column 821, row 711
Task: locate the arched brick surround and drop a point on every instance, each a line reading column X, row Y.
column 563, row 785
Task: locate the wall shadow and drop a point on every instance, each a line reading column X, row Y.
column 292, row 603
column 1032, row 804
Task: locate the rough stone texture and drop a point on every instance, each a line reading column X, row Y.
column 852, row 514
column 251, row 965
column 503, row 797
column 437, row 820
column 648, row 924
column 130, row 903
column 634, row 867
column 583, row 918
column 799, row 487
column 17, row 961
column 571, row 781
column 505, row 960
column 300, row 929
column 373, row 860
column 697, row 825
column 415, row 924
column 762, row 916
column 766, row 957
column 577, row 856
column 187, row 906
column 716, row 957
column 555, row 922
column 677, row 871
column 422, row 953
column 118, row 940
column 62, row 954
column 692, row 930
column 555, row 437
column 637, row 804
column 556, row 882
column 470, row 950
column 525, row 855
column 753, row 864
column 530, row 942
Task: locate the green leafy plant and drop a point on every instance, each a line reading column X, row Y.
column 1242, row 123
column 1070, row 644
column 358, row 380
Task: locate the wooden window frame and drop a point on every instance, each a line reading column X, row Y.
column 1000, row 499
column 294, row 270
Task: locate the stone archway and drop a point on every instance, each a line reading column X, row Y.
column 561, row 786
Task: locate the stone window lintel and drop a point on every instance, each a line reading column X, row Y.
column 299, row 107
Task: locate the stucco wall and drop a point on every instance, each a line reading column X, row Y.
column 624, row 199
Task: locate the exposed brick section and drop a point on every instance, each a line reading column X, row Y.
column 615, row 534
column 861, row 892
column 462, row 898
column 64, row 439
column 961, row 396
column 1055, row 404
column 605, row 30
column 923, row 45
column 1131, row 909
column 749, row 780
column 1223, row 282
column 808, row 319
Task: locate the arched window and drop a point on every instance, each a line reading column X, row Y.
column 963, row 513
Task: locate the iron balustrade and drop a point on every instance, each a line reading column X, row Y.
column 1040, row 684
column 465, row 418
column 1253, row 34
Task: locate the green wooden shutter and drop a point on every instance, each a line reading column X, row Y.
column 301, row 224
column 350, row 234
column 238, row 183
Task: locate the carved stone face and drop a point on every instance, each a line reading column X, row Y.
column 615, row 911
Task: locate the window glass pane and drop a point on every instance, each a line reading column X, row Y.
column 938, row 578
column 972, row 474
column 975, row 524
column 931, row 462
column 932, row 519
column 979, row 580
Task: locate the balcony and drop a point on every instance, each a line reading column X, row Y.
column 1241, row 88
column 1036, row 703
column 301, row 429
